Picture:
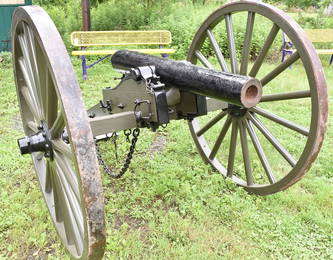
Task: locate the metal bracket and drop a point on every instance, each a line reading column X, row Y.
column 107, row 105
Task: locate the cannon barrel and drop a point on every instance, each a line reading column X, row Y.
column 232, row 88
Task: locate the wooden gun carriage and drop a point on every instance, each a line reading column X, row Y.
column 153, row 91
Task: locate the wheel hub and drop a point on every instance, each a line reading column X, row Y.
column 39, row 142
column 236, row 111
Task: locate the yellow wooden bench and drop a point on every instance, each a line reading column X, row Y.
column 316, row 36
column 120, row 39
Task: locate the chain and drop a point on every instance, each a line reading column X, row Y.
column 107, row 169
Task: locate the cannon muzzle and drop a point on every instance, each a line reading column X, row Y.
column 232, row 88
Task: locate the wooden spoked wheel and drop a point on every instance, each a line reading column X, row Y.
column 264, row 149
column 51, row 104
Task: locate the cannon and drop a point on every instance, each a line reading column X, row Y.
column 224, row 96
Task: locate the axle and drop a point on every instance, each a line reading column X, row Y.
column 236, row 89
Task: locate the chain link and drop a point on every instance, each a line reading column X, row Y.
column 107, row 169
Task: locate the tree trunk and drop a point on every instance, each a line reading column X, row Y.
column 86, row 24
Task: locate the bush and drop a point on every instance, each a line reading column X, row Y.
column 182, row 18
column 127, row 14
column 298, row 3
column 183, row 24
column 66, row 17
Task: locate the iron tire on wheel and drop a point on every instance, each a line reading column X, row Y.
column 50, row 100
column 247, row 124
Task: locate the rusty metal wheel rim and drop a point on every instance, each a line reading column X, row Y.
column 314, row 73
column 50, row 98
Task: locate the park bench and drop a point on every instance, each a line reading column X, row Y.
column 316, row 36
column 118, row 40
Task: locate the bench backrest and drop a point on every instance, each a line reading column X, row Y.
column 120, row 38
column 320, row 35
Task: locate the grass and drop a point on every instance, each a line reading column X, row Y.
column 170, row 205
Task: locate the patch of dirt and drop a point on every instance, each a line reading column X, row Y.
column 158, row 144
column 134, row 224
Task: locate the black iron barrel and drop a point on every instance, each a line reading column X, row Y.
column 232, row 88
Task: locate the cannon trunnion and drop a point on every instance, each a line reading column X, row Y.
column 234, row 109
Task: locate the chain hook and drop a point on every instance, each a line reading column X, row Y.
column 128, row 132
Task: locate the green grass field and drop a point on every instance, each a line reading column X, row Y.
column 170, row 205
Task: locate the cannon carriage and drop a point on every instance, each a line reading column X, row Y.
column 61, row 135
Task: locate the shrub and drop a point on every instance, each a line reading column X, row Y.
column 298, row 3
column 182, row 18
column 127, row 14
column 66, row 17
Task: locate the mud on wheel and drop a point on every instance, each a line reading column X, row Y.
column 59, row 136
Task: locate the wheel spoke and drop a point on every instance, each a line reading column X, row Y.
column 56, row 194
column 284, row 122
column 72, row 200
column 43, row 73
column 247, row 43
column 68, row 219
column 232, row 147
column 29, row 67
column 211, row 123
column 39, row 155
column 58, row 126
column 260, row 151
column 30, row 87
column 51, row 102
column 269, row 40
column 286, row 96
column 203, row 60
column 48, row 177
column 30, row 42
column 231, row 43
column 33, row 126
column 26, row 59
column 282, row 67
column 31, row 104
column 68, row 173
column 63, row 148
column 246, row 154
column 217, row 50
column 220, row 138
column 272, row 140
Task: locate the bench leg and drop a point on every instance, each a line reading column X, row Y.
column 283, row 55
column 331, row 59
column 164, row 55
column 84, row 67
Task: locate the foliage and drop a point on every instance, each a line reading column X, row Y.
column 120, row 15
column 315, row 21
column 182, row 18
column 298, row 3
